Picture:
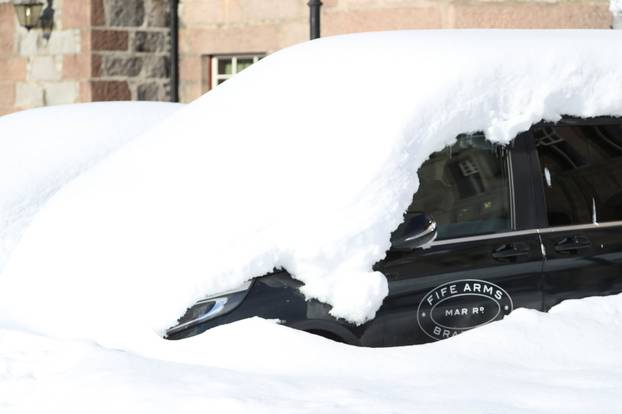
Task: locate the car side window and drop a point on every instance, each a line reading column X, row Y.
column 465, row 189
column 581, row 168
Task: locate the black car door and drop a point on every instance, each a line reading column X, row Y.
column 484, row 263
column 580, row 170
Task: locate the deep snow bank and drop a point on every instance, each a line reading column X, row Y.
column 42, row 149
column 306, row 161
column 566, row 361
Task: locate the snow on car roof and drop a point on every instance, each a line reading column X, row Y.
column 305, row 161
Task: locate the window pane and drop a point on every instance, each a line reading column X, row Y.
column 225, row 66
column 243, row 63
column 465, row 189
column 582, row 173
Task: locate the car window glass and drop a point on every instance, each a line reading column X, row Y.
column 581, row 168
column 464, row 189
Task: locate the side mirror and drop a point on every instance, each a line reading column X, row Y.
column 416, row 231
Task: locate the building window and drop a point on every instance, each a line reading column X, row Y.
column 222, row 67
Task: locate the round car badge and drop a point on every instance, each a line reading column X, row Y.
column 460, row 305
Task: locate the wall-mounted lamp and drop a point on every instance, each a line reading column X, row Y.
column 30, row 14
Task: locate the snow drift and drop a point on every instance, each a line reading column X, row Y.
column 42, row 149
column 565, row 361
column 304, row 161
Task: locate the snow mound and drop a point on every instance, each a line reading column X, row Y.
column 305, row 161
column 42, row 149
column 565, row 361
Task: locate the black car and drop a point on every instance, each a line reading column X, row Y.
column 491, row 229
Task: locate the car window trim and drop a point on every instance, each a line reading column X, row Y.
column 544, row 230
column 588, row 226
column 511, row 192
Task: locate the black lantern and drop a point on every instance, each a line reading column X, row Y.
column 30, row 14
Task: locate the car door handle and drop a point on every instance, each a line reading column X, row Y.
column 510, row 251
column 572, row 244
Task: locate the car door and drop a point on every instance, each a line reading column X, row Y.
column 484, row 263
column 580, row 170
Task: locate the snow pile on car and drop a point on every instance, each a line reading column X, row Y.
column 42, row 149
column 305, row 161
column 566, row 361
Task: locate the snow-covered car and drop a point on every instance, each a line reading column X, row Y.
column 492, row 228
column 296, row 175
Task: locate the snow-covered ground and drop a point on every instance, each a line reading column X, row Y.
column 566, row 361
column 298, row 162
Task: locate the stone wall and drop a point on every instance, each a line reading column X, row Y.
column 130, row 43
column 99, row 50
column 119, row 49
column 12, row 65
column 264, row 26
column 35, row 71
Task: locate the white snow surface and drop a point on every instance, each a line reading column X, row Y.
column 566, row 361
column 304, row 161
column 615, row 7
column 42, row 149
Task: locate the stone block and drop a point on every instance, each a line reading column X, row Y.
column 166, row 91
column 96, row 64
column 64, row 42
column 28, row 43
column 98, row 13
column 7, row 110
column 109, row 40
column 359, row 20
column 45, row 68
column 59, row 93
column 158, row 13
column 255, row 39
column 8, row 20
column 149, row 91
column 6, row 44
column 151, row 41
column 7, row 29
column 128, row 66
column 85, row 92
column 156, row 67
column 7, row 94
column 110, row 91
column 76, row 66
column 125, row 13
column 191, row 67
column 189, row 91
column 13, row 68
column 28, row 95
column 195, row 13
column 74, row 14
column 534, row 15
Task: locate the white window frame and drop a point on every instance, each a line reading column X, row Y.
column 234, row 66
